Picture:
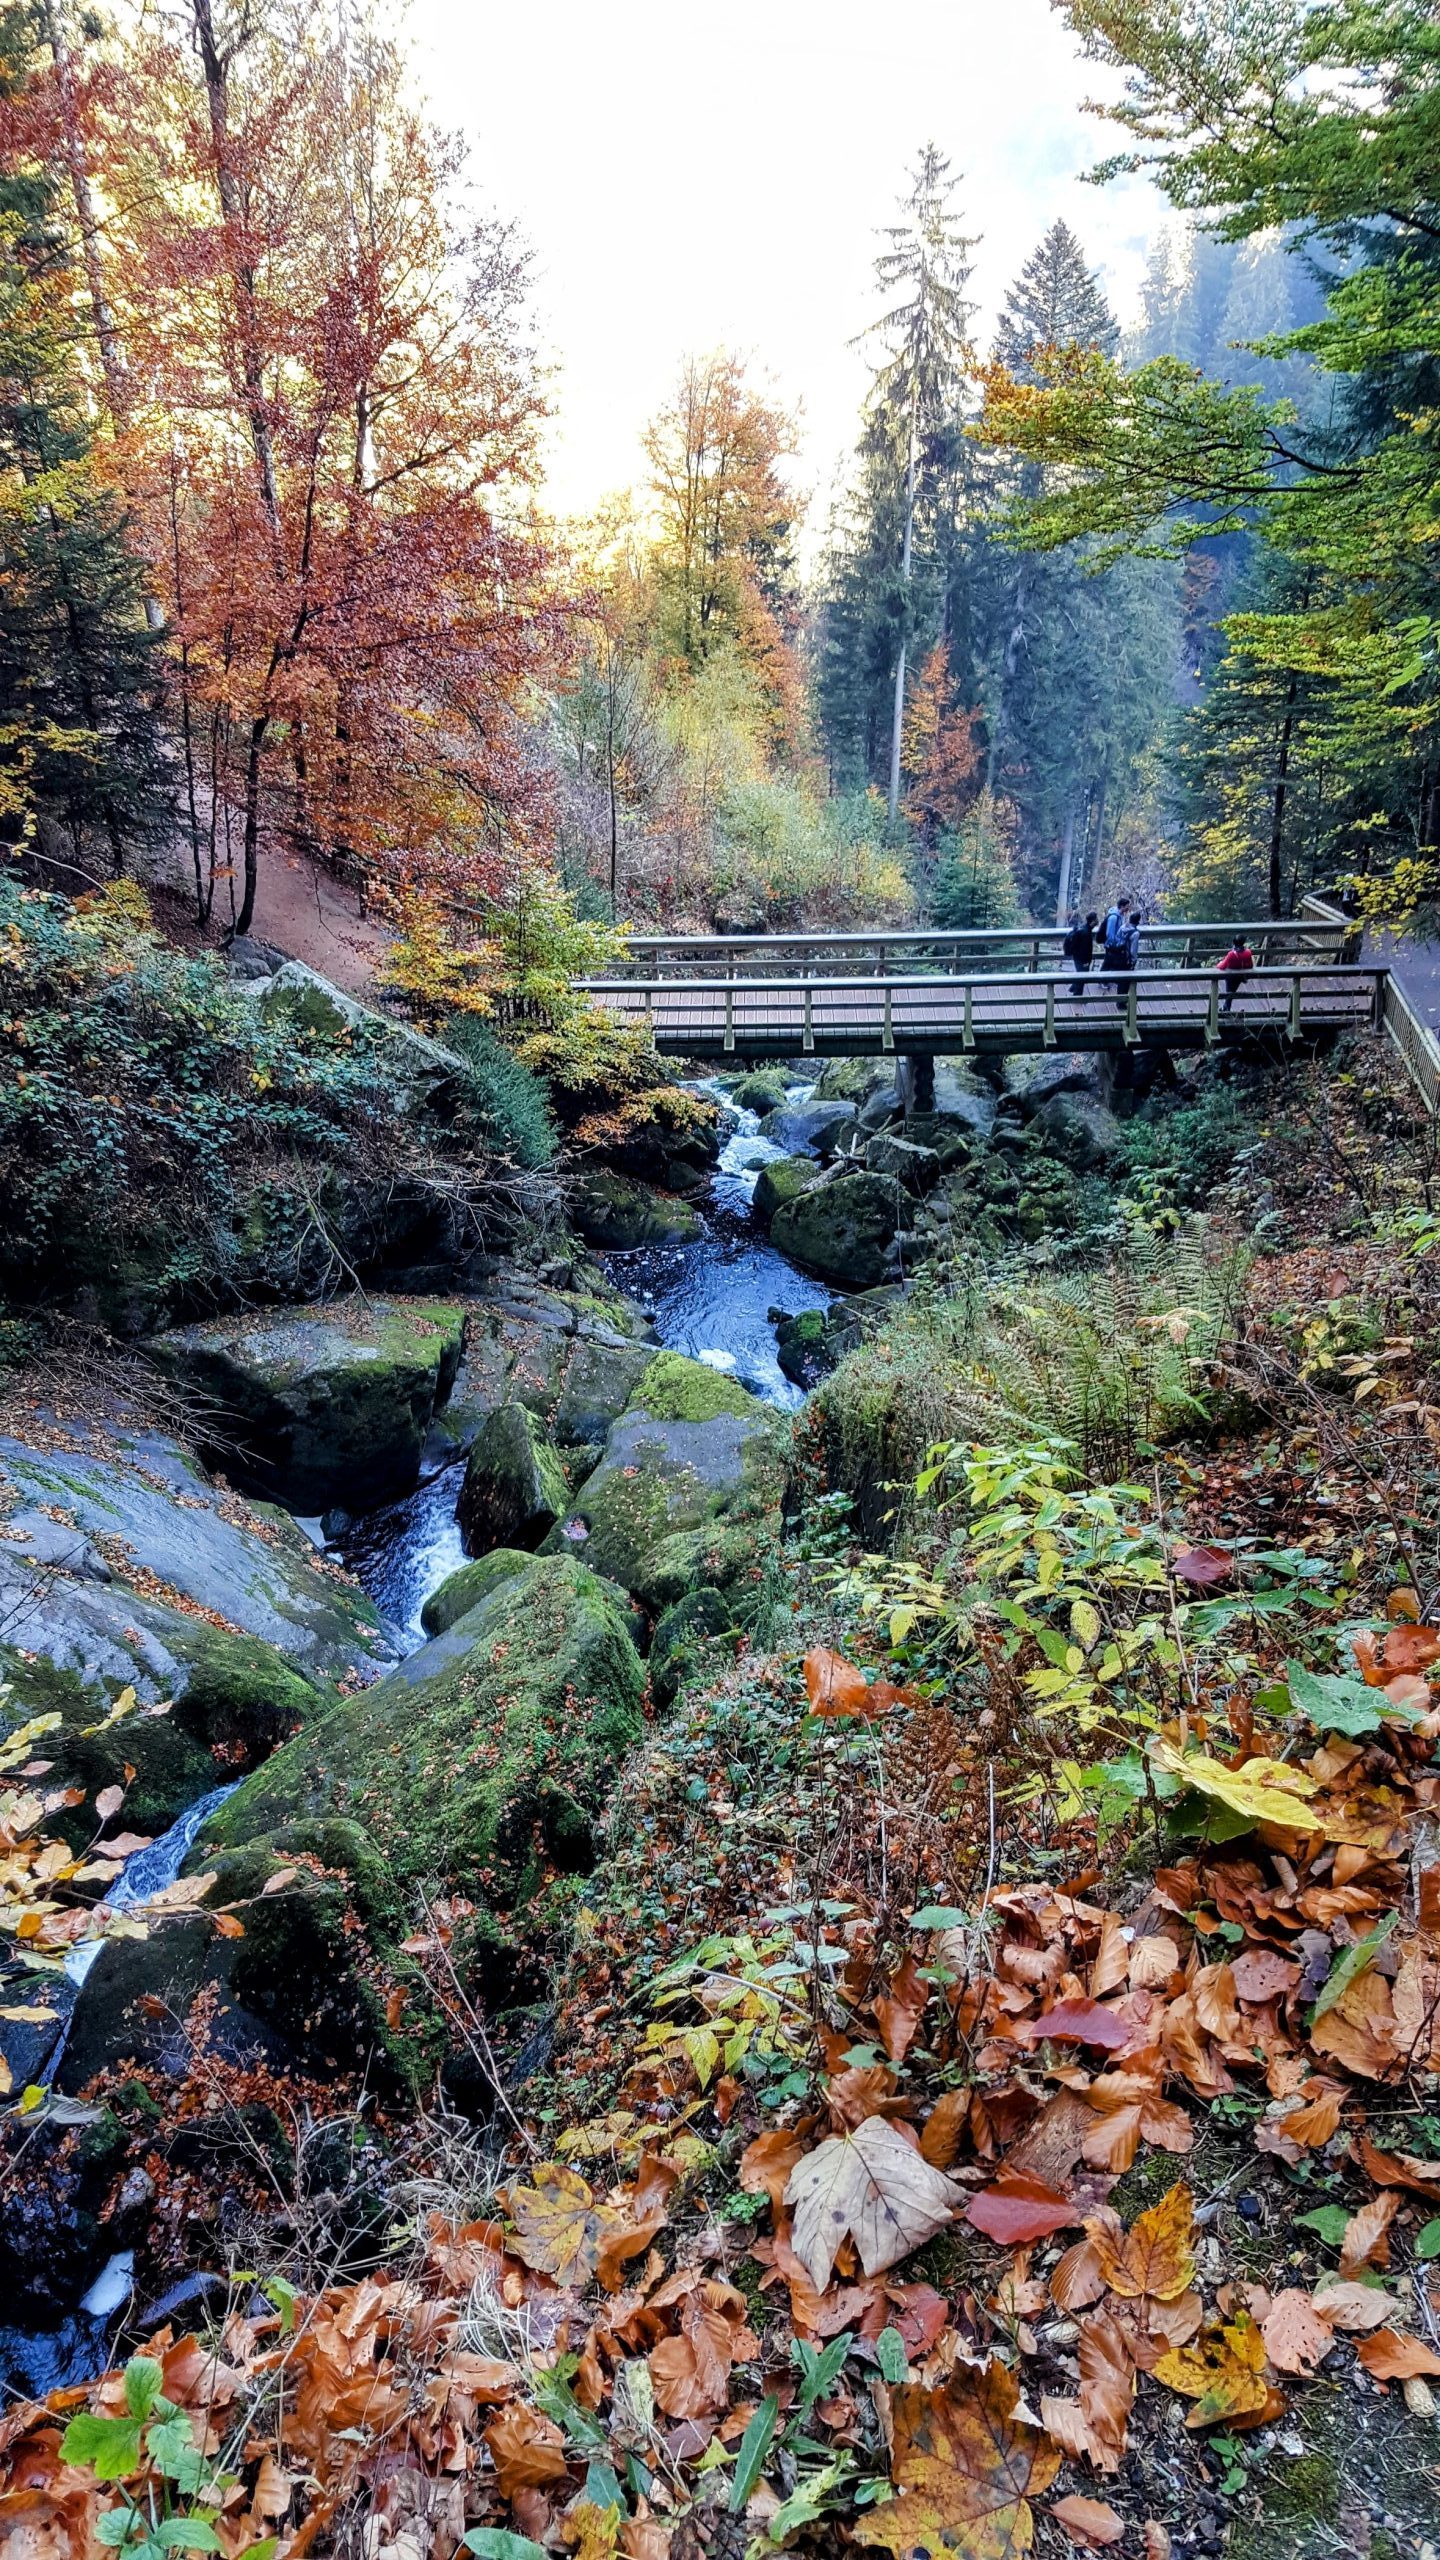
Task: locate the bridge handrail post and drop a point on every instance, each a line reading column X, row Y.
column 730, row 1018
column 1295, row 984
column 1049, row 1013
column 808, row 1038
column 1132, row 1013
column 1212, row 1018
column 967, row 1036
column 887, row 1034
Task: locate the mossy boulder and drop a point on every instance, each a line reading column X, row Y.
column 784, row 1179
column 842, row 1230
column 900, row 1160
column 321, row 1405
column 610, row 1210
column 514, row 1489
column 480, row 1764
column 463, row 1591
column 1081, row 1129
column 763, row 1090
column 695, row 1447
column 426, row 1078
column 810, row 1345
column 677, row 1389
column 852, row 1079
column 237, row 1700
column 725, row 1555
column 299, row 1989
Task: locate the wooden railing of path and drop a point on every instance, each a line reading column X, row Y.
column 1311, row 941
column 853, row 1015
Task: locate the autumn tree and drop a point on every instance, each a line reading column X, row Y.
column 725, row 515
column 940, row 753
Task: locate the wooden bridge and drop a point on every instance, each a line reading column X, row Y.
column 922, row 995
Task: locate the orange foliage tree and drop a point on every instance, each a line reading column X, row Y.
column 940, row 754
column 328, row 436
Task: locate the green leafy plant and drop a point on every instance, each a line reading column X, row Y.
column 173, row 2507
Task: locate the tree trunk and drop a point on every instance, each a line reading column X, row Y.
column 253, row 762
column 907, row 553
column 217, row 92
column 1277, row 816
column 112, row 361
column 1067, row 849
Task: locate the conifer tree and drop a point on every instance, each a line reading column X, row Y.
column 79, row 736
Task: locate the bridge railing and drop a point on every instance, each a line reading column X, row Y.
column 1034, row 950
column 1005, row 1010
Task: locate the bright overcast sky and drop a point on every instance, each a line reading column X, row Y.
column 692, row 176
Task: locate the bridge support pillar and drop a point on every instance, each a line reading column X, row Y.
column 915, row 1084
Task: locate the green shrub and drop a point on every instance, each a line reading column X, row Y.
column 514, row 1107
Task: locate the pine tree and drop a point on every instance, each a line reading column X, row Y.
column 917, row 388
column 1055, row 302
column 79, row 735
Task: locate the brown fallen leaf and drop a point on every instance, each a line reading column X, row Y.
column 1094, row 2425
column 1391, row 2357
column 1158, row 2545
column 1398, row 2168
column 966, row 2468
column 1297, row 2336
column 1366, row 2237
column 941, row 2133
column 899, row 2010
column 766, row 2164
column 871, row 2186
column 1075, row 2278
column 1015, row 2209
column 1353, row 2306
column 1156, row 2255
column 526, row 2448
column 1090, row 2523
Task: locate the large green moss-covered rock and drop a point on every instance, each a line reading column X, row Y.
column 784, row 1179
column 693, row 1448
column 235, row 1700
column 425, row 1077
column 573, row 1356
column 842, row 1230
column 326, row 1404
column 461, row 1592
column 481, row 1762
column 514, row 1489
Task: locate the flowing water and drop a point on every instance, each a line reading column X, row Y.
column 713, row 1298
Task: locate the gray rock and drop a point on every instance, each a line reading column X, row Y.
column 852, row 1080
column 514, row 1489
column 463, row 1591
column 1081, row 1129
column 427, row 1077
column 809, row 1128
column 326, row 1404
column 678, row 1648
column 900, row 1160
column 881, row 1106
column 611, row 1211
column 961, row 1097
column 1035, row 1081
column 842, row 1230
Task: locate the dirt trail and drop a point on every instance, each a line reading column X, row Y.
column 313, row 917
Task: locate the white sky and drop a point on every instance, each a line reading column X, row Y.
column 691, row 175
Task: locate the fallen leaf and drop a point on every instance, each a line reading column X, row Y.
column 1223, row 2373
column 1261, row 1791
column 1297, row 2336
column 1354, row 2306
column 1094, row 2425
column 766, row 2163
column 1015, row 2209
column 1398, row 2168
column 900, row 2009
column 836, row 1688
column 226, row 1925
column 109, row 1801
column 1389, row 2357
column 1203, row 1567
column 872, row 2186
column 1075, row 2278
column 966, row 2468
column 1156, row 2255
column 1080, row 2022
column 941, row 2132
column 1365, row 2242
column 1260, row 1975
column 526, row 2448
column 1089, row 2522
column 1158, row 2545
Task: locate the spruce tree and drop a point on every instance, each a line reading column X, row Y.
column 1055, row 302
column 79, row 733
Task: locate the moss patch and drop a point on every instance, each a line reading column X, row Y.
column 675, row 1389
column 463, row 1591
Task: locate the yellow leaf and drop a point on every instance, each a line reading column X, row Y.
column 1262, row 1791
column 1223, row 2372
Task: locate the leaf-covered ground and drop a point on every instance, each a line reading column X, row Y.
column 995, row 2089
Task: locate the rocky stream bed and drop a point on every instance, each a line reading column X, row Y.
column 382, row 1636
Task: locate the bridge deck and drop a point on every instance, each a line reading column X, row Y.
column 754, row 1017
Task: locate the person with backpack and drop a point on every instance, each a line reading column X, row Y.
column 1115, row 943
column 1078, row 948
column 1237, row 961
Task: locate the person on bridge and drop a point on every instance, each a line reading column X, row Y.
column 1238, row 959
column 1078, row 947
column 1126, row 947
column 1115, row 946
